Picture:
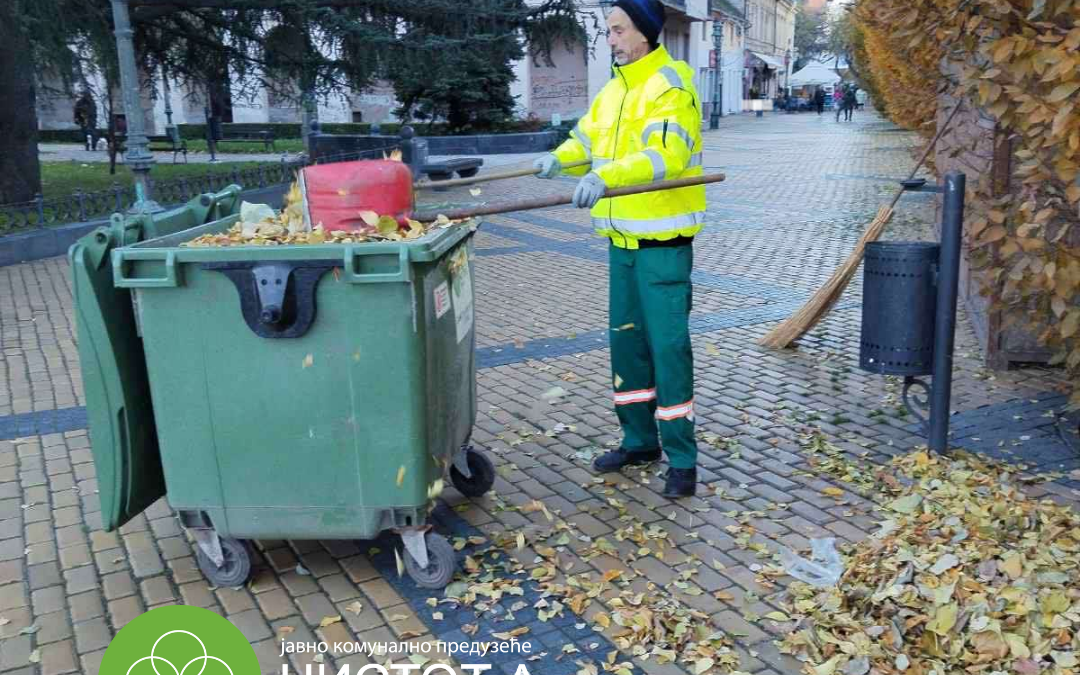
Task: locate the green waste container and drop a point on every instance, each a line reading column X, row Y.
column 298, row 392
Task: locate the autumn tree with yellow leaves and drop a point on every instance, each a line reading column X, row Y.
column 1019, row 62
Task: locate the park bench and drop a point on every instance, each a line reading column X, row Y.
column 247, row 133
column 465, row 167
column 167, row 143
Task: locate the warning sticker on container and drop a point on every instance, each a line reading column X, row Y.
column 442, row 300
column 463, row 299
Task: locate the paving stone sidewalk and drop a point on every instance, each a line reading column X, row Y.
column 799, row 190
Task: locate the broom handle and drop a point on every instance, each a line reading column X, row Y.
column 558, row 200
column 926, row 154
column 516, row 173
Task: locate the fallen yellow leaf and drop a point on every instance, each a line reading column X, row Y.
column 1013, row 566
column 827, row 668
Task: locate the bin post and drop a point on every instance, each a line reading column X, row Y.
column 952, row 223
column 39, row 209
column 414, row 151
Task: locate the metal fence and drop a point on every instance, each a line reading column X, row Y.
column 83, row 206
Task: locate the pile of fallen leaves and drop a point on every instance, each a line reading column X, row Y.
column 259, row 225
column 642, row 618
column 966, row 574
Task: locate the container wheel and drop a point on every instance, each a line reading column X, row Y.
column 442, row 563
column 482, row 478
column 235, row 567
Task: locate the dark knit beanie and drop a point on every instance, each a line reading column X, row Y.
column 648, row 17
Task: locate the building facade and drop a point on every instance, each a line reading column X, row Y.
column 750, row 61
column 770, row 46
column 728, row 60
column 575, row 76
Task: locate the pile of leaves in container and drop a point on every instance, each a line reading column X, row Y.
column 260, row 225
column 965, row 575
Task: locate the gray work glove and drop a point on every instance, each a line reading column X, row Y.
column 589, row 191
column 549, row 166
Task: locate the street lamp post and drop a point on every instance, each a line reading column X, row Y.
column 211, row 137
column 170, row 130
column 137, row 157
column 787, row 70
column 787, row 78
column 718, row 75
column 309, row 114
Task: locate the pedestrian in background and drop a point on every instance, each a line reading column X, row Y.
column 838, row 98
column 850, row 101
column 819, row 100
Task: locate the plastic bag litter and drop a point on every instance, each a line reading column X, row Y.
column 256, row 213
column 822, row 571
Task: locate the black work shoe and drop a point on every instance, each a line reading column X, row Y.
column 617, row 459
column 680, row 483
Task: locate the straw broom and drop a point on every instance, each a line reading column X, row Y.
column 815, row 309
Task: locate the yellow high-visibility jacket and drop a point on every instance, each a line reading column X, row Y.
column 644, row 126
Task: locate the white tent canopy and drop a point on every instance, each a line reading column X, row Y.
column 819, row 72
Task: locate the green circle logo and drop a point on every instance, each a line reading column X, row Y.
column 179, row 641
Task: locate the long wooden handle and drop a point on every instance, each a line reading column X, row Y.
column 926, row 153
column 558, row 200
column 499, row 175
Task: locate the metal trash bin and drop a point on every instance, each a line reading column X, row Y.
column 899, row 307
column 299, row 392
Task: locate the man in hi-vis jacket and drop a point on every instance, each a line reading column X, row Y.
column 645, row 126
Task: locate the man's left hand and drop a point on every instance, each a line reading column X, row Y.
column 589, row 190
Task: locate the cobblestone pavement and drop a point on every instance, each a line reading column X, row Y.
column 799, row 190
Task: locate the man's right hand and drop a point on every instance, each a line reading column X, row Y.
column 548, row 166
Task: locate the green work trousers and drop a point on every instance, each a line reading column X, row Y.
column 651, row 362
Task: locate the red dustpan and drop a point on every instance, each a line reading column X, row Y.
column 336, row 194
